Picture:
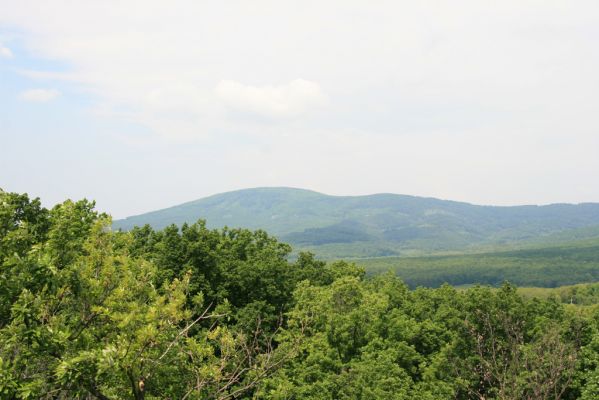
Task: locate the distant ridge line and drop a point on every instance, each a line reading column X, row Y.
column 380, row 224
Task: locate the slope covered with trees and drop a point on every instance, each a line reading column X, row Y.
column 196, row 313
column 378, row 225
column 548, row 266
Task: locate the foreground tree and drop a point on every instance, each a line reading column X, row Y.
column 512, row 349
column 83, row 317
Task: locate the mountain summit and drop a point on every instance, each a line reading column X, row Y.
column 378, row 224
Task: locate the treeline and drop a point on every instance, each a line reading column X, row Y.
column 194, row 313
column 585, row 294
column 543, row 267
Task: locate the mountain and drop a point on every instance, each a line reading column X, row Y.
column 379, row 224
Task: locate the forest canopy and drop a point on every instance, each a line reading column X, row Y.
column 195, row 313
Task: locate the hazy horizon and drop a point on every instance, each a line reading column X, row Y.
column 145, row 105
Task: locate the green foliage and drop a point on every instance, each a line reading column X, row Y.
column 88, row 312
column 342, row 232
column 199, row 313
column 585, row 294
column 539, row 267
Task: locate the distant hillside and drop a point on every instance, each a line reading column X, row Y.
column 545, row 267
column 379, row 224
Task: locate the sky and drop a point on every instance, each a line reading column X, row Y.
column 142, row 105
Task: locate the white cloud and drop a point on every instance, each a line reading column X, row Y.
column 288, row 100
column 5, row 52
column 39, row 95
column 394, row 67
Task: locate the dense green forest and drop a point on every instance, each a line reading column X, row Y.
column 381, row 224
column 196, row 313
column 548, row 266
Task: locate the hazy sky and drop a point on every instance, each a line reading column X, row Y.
column 146, row 104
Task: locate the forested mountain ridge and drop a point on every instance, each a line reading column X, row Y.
column 379, row 224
